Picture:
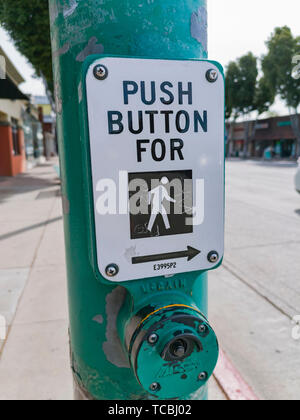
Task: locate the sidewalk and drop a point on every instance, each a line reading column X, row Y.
column 34, row 360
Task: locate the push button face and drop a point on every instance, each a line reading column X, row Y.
column 174, row 352
column 180, row 348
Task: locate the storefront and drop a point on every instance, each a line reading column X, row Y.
column 274, row 135
column 21, row 134
column 12, row 145
column 12, row 149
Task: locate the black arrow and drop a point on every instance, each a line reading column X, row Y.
column 190, row 254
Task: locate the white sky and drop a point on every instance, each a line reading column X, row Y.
column 239, row 26
column 32, row 84
column 235, row 27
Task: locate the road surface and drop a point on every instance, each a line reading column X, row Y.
column 255, row 295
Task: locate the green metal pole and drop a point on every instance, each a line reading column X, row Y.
column 99, row 312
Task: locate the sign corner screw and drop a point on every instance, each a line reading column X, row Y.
column 112, row 270
column 213, row 257
column 100, row 72
column 212, row 75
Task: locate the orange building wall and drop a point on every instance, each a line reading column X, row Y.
column 11, row 165
column 19, row 162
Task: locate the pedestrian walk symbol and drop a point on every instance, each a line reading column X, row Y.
column 160, row 203
column 156, row 199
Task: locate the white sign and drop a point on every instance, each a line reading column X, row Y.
column 157, row 157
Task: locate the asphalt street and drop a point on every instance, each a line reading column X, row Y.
column 255, row 295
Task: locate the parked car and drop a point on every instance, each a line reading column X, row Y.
column 297, row 178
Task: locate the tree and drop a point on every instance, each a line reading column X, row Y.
column 27, row 22
column 231, row 87
column 232, row 79
column 245, row 94
column 263, row 99
column 278, row 67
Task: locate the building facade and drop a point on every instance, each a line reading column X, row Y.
column 20, row 129
column 33, row 133
column 48, row 120
column 12, row 102
column 275, row 135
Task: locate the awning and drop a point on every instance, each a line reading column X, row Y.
column 8, row 90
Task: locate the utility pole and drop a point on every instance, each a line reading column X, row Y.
column 133, row 334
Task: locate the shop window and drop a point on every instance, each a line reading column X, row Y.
column 15, row 137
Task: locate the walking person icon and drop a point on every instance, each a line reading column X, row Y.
column 160, row 203
column 156, row 199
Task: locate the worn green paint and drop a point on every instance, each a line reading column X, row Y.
column 79, row 28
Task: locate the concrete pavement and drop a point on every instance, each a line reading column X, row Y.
column 34, row 363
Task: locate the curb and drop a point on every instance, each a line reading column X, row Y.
column 231, row 382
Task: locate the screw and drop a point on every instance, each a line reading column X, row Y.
column 112, row 270
column 202, row 376
column 212, row 75
column 154, row 387
column 153, row 338
column 100, row 72
column 213, row 257
column 202, row 329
